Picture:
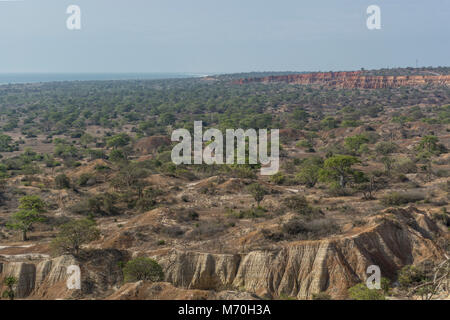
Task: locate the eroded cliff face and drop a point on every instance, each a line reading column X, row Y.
column 47, row 278
column 32, row 276
column 354, row 79
column 303, row 268
column 299, row 269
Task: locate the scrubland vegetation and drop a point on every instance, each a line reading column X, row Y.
column 87, row 164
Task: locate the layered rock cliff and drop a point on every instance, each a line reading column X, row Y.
column 300, row 269
column 354, row 79
column 47, row 278
column 34, row 276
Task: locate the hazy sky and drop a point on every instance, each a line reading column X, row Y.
column 207, row 36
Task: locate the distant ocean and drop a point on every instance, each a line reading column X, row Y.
column 13, row 78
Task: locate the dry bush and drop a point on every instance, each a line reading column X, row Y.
column 206, row 229
column 399, row 198
column 186, row 215
column 310, row 230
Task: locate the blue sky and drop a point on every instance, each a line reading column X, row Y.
column 211, row 36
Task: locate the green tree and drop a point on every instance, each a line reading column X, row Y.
column 118, row 140
column 144, row 269
column 278, row 178
column 429, row 143
column 117, row 155
column 9, row 292
column 73, row 235
column 385, row 285
column 426, row 279
column 385, row 148
column 66, row 152
column 309, row 172
column 5, row 142
column 354, row 143
column 167, row 118
column 257, row 191
column 305, row 144
column 411, row 276
column 362, row 292
column 300, row 205
column 300, row 114
column 338, row 168
column 388, row 163
column 31, row 209
column 2, row 188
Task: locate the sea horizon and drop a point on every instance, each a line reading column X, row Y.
column 39, row 77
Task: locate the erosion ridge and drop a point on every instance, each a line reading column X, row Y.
column 353, row 79
column 397, row 237
column 301, row 269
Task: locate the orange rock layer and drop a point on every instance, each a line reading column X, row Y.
column 354, row 79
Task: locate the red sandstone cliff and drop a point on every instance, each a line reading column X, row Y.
column 354, row 79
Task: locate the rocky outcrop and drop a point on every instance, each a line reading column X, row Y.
column 46, row 279
column 300, row 269
column 354, row 79
column 201, row 270
column 25, row 273
column 31, row 276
